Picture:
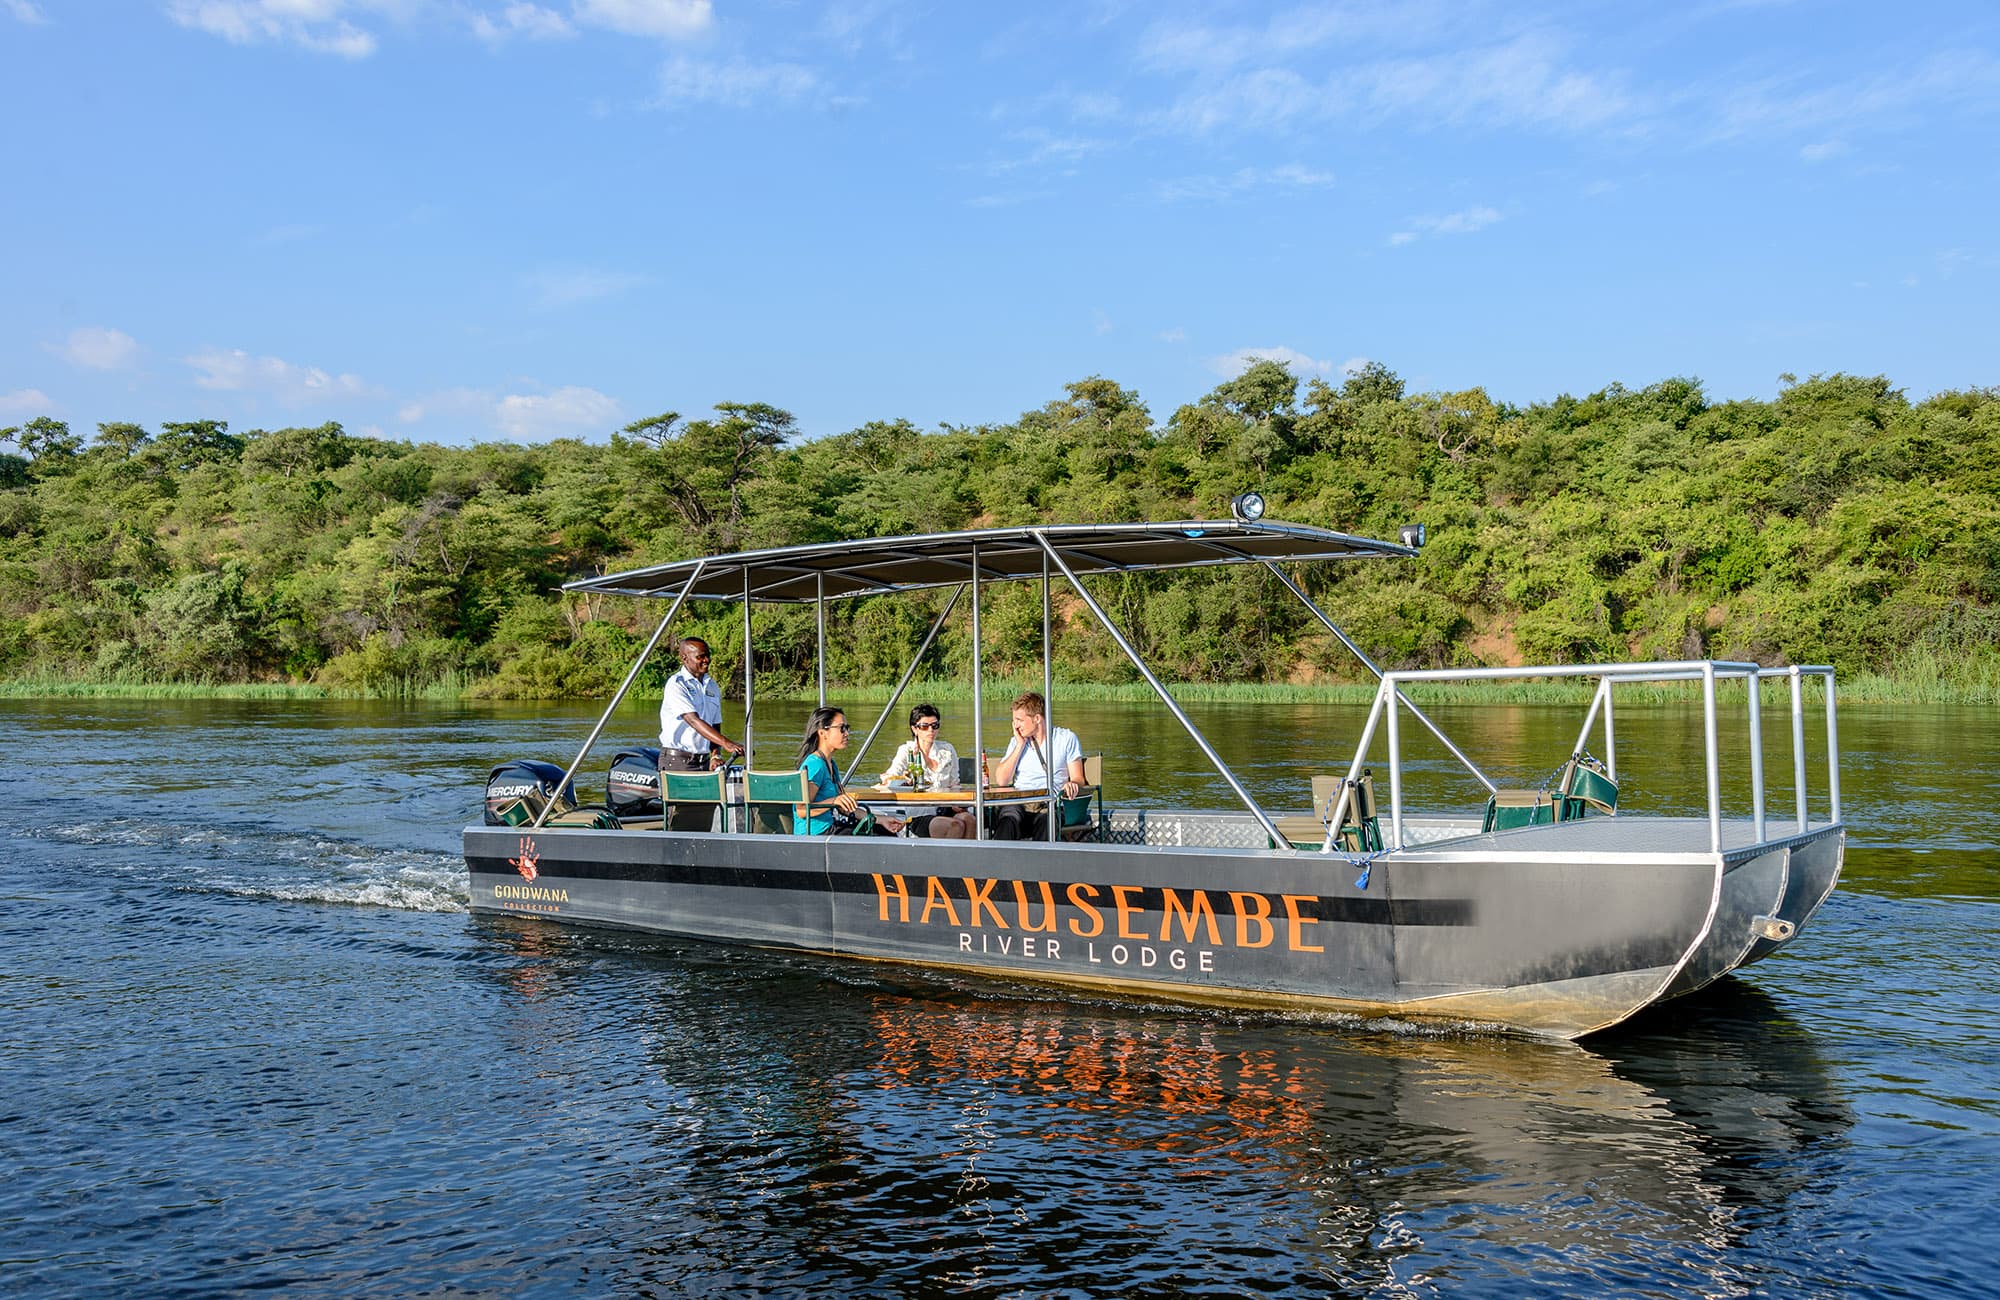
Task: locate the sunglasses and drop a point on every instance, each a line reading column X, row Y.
column 927, row 726
column 840, row 726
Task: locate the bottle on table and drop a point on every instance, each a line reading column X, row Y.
column 985, row 772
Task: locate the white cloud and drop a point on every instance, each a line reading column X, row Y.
column 1460, row 223
column 1952, row 261
column 850, row 26
column 1291, row 177
column 341, row 26
column 1822, row 151
column 1231, row 364
column 1090, row 106
column 566, row 412
column 319, row 25
column 1008, row 200
column 735, row 84
column 236, row 371
column 673, row 19
column 1100, row 321
column 1174, row 335
column 1892, row 98
column 462, row 403
column 526, row 20
column 563, row 286
column 1172, row 46
column 24, row 11
column 25, row 401
column 1470, row 221
column 96, row 348
column 1355, row 365
column 1529, row 80
column 1046, row 149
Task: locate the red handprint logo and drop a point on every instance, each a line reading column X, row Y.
column 525, row 864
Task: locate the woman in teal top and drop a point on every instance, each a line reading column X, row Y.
column 826, row 735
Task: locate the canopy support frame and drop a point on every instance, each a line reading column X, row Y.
column 1263, row 819
column 854, row 764
column 978, row 723
column 631, row 676
column 1374, row 669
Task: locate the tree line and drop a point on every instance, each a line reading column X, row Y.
column 1838, row 522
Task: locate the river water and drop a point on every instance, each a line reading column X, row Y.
column 251, row 1039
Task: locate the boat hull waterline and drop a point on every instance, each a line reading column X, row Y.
column 1557, row 931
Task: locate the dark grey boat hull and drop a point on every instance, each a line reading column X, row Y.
column 1553, row 930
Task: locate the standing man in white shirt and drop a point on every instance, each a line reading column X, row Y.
column 1023, row 768
column 691, row 738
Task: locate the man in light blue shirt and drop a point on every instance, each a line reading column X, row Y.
column 1024, row 768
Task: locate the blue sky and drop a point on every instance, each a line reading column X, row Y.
column 455, row 220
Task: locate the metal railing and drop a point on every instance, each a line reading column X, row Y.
column 1707, row 672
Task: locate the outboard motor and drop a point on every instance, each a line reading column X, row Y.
column 633, row 787
column 516, row 792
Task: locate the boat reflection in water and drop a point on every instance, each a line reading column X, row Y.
column 1375, row 1159
column 909, row 1137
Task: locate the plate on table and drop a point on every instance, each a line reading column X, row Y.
column 895, row 785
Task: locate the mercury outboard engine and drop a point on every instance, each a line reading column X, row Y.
column 633, row 787
column 516, row 792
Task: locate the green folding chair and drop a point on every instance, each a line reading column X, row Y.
column 774, row 798
column 693, row 800
column 1585, row 784
column 1078, row 823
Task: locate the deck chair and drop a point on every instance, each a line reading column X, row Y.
column 1578, row 786
column 1360, row 828
column 1078, row 821
column 692, row 800
column 589, row 817
column 1585, row 784
column 774, row 798
column 1508, row 810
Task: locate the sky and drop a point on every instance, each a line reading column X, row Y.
column 517, row 220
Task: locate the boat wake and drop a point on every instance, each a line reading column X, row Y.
column 259, row 863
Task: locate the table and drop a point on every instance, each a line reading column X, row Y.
column 921, row 801
column 914, row 803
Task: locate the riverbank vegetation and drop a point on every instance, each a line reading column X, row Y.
column 1837, row 523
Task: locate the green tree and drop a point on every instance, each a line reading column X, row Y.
column 184, row 444
column 122, row 437
column 45, row 440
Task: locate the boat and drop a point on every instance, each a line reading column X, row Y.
column 1551, row 912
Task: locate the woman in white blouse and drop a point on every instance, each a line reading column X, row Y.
column 940, row 768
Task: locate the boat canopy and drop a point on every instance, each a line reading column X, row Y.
column 885, row 565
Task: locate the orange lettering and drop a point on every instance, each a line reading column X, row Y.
column 979, row 898
column 1126, row 907
column 1077, row 899
column 1048, row 907
column 1299, row 921
column 934, row 896
column 1252, row 909
column 901, row 893
column 1201, row 911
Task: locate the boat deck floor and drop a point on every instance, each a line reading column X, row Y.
column 1624, row 837
column 1616, row 837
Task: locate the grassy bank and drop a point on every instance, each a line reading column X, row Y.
column 73, row 688
column 1925, row 689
